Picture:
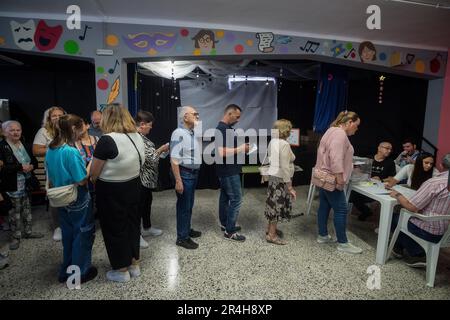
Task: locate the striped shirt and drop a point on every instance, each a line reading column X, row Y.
column 433, row 199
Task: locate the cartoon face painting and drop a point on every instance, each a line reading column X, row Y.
column 47, row 37
column 367, row 52
column 23, row 34
column 151, row 43
column 205, row 41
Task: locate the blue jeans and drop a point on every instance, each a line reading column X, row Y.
column 78, row 227
column 333, row 200
column 230, row 201
column 407, row 243
column 185, row 203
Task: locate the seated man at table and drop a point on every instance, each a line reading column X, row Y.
column 432, row 199
column 408, row 155
column 382, row 169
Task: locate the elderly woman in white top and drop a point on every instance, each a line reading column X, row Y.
column 280, row 191
column 40, row 145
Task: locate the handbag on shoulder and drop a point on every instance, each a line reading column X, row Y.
column 61, row 196
column 323, row 179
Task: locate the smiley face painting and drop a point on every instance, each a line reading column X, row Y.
column 47, row 37
column 23, row 34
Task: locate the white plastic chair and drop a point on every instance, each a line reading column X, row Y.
column 309, row 200
column 431, row 249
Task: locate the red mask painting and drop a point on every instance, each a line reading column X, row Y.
column 45, row 37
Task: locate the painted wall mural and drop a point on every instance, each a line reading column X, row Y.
column 144, row 41
column 46, row 37
column 23, row 34
column 150, row 43
column 205, row 42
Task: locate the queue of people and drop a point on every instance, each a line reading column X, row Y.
column 114, row 166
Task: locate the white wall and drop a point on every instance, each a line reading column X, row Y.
column 433, row 111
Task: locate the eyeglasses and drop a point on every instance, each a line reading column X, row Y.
column 204, row 40
column 387, row 148
column 195, row 114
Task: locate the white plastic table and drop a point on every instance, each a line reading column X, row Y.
column 378, row 193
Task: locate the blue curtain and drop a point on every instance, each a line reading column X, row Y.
column 133, row 97
column 331, row 96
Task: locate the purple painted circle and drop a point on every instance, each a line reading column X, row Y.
column 230, row 37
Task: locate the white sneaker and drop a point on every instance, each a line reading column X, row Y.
column 118, row 276
column 349, row 248
column 143, row 244
column 376, row 230
column 325, row 239
column 134, row 270
column 151, row 232
column 57, row 234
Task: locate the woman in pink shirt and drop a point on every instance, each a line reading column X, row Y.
column 335, row 155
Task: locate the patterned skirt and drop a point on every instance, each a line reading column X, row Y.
column 279, row 202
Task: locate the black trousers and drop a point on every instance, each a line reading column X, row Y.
column 120, row 220
column 360, row 202
column 145, row 206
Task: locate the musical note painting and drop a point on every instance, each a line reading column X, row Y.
column 310, row 46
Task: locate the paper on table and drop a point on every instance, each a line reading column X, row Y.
column 253, row 148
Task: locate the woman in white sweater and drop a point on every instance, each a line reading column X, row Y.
column 417, row 173
column 280, row 191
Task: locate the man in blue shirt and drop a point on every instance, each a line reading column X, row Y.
column 228, row 170
column 185, row 154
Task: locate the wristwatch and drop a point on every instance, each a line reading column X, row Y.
column 397, row 195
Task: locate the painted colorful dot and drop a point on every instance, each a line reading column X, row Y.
column 184, row 32
column 71, row 47
column 100, row 70
column 239, row 48
column 102, row 84
column 112, row 40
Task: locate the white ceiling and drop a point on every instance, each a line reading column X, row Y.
column 402, row 24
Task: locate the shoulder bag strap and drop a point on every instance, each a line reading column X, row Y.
column 139, row 155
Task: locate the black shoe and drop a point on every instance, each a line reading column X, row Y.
column 234, row 237
column 187, row 244
column 397, row 253
column 416, row 262
column 90, row 275
column 195, row 234
column 236, row 228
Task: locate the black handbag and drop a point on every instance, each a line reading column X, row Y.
column 32, row 183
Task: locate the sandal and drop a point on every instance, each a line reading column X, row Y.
column 280, row 233
column 276, row 240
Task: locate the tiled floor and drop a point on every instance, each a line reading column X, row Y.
column 222, row 269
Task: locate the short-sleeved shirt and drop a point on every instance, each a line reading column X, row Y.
column 433, row 199
column 123, row 158
column 185, row 148
column 401, row 161
column 226, row 137
column 383, row 169
column 96, row 132
column 64, row 166
column 42, row 137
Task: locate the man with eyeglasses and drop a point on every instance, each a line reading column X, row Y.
column 383, row 168
column 185, row 158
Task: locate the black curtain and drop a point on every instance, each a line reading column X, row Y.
column 43, row 82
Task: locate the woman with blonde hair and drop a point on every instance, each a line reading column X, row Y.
column 40, row 145
column 335, row 156
column 115, row 169
column 281, row 170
